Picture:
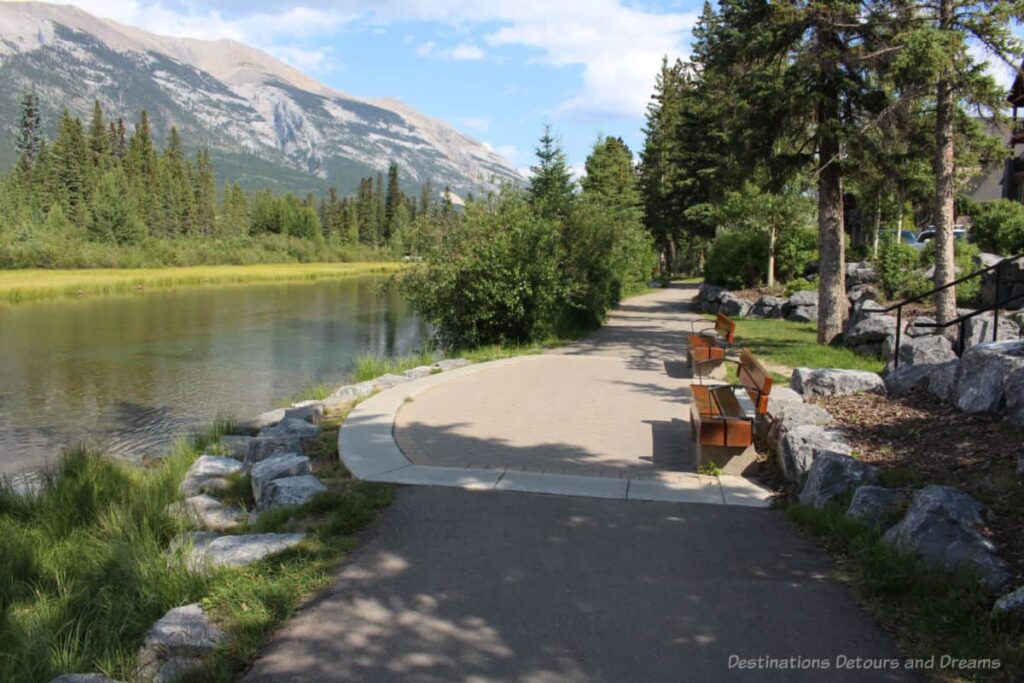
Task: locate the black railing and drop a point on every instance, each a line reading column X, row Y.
column 962, row 320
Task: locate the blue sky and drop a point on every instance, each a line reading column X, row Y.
column 495, row 69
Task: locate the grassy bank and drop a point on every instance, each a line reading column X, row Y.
column 932, row 613
column 795, row 345
column 18, row 286
column 85, row 568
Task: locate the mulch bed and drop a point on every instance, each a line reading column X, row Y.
column 919, row 440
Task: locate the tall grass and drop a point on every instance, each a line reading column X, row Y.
column 84, row 567
column 369, row 366
column 18, row 286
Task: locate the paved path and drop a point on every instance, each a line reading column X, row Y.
column 494, row 585
column 614, row 404
column 468, row 586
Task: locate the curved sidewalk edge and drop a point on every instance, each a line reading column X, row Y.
column 367, row 447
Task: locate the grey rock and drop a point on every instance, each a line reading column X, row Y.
column 451, row 364
column 860, row 273
column 984, row 369
column 83, row 678
column 289, row 491
column 802, row 314
column 804, row 298
column 780, row 396
column 1013, row 392
column 920, row 358
column 835, row 382
column 943, row 381
column 733, row 306
column 873, row 328
column 235, row 446
column 985, row 260
column 353, row 392
column 858, row 293
column 311, row 412
column 979, row 329
column 390, row 380
column 291, row 427
column 1010, row 606
column 833, row 475
column 212, row 514
column 878, row 506
column 767, row 307
column 419, row 372
column 913, row 329
column 277, row 467
column 236, row 551
column 209, row 473
column 800, row 446
column 790, row 414
column 264, row 447
column 177, row 642
column 261, row 421
column 943, row 527
column 872, row 349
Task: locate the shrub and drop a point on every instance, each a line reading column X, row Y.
column 800, row 284
column 898, row 270
column 737, row 259
column 965, row 253
column 493, row 278
column 998, row 226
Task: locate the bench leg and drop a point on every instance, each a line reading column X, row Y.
column 729, row 459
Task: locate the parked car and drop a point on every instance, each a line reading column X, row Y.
column 959, row 234
column 910, row 239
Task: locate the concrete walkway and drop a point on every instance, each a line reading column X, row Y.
column 497, row 585
column 606, row 417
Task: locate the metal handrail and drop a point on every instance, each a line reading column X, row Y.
column 898, row 307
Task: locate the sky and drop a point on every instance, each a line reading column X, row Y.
column 498, row 70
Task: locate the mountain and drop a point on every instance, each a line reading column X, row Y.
column 265, row 123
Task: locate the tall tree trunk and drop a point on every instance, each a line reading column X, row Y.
column 832, row 301
column 771, row 257
column 945, row 185
column 878, row 231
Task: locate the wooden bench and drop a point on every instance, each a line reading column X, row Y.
column 723, row 417
column 706, row 347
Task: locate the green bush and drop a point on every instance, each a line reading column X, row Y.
column 739, row 258
column 899, row 273
column 800, row 284
column 493, row 278
column 964, row 254
column 998, row 226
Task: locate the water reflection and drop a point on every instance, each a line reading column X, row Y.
column 134, row 373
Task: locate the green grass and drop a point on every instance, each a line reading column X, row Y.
column 85, row 570
column 795, row 345
column 368, row 366
column 314, row 392
column 930, row 611
column 18, row 286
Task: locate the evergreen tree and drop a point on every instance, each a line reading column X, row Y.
column 426, row 198
column 69, row 168
column 393, row 201
column 29, row 131
column 99, row 142
column 205, row 192
column 551, row 186
column 610, row 175
column 114, row 216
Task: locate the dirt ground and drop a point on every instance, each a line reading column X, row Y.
column 918, row 440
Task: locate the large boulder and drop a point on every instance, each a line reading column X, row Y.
column 833, row 475
column 835, row 382
column 1010, row 607
column 289, row 491
column 878, row 506
column 709, row 298
column 1011, row 282
column 177, row 643
column 767, row 307
column 261, row 421
column 790, row 414
column 984, row 373
column 451, row 364
column 801, row 307
column 802, row 314
column 943, row 527
column 943, row 381
column 733, row 306
column 920, row 327
column 419, row 372
column 390, row 380
column 209, row 473
column 870, row 329
column 311, row 412
column 858, row 293
column 920, row 358
column 804, row 298
column 979, row 329
column 277, row 467
column 286, row 437
column 860, row 273
column 800, row 446
column 353, row 392
column 235, row 446
column 210, row 550
column 291, row 427
column 864, row 308
column 213, row 514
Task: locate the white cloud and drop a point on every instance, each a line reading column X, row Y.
column 617, row 43
column 460, row 53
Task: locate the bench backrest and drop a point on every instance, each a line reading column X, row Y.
column 725, row 328
column 756, row 380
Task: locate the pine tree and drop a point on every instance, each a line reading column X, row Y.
column 426, row 198
column 204, row 185
column 69, row 168
column 30, row 131
column 551, row 186
column 610, row 175
column 99, row 142
column 393, row 201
